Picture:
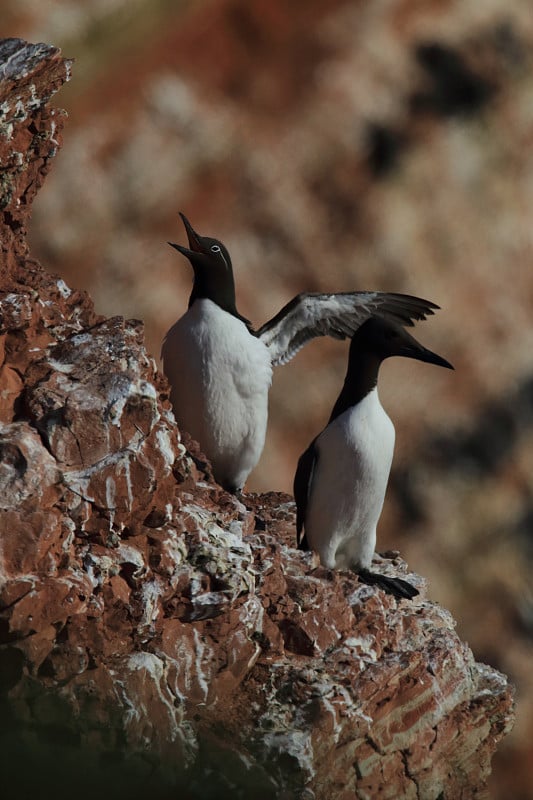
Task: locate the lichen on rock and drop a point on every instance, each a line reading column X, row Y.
column 156, row 632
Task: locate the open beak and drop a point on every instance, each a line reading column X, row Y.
column 195, row 243
column 184, row 250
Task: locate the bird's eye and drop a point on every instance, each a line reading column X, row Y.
column 215, row 248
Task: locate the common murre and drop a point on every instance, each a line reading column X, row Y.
column 341, row 478
column 220, row 369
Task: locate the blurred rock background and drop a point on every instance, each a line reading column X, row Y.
column 333, row 146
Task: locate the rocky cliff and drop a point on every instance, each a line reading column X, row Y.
column 155, row 631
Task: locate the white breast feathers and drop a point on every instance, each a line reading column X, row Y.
column 349, row 483
column 220, row 375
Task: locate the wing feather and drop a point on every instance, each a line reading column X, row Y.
column 303, row 480
column 310, row 314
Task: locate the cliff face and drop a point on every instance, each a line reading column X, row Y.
column 155, row 631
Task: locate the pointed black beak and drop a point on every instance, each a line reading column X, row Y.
column 195, row 242
column 415, row 350
column 411, row 348
column 183, row 250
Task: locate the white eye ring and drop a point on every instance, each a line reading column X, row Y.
column 215, row 248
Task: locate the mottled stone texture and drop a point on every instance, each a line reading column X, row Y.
column 157, row 633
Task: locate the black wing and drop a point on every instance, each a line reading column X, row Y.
column 303, row 479
column 338, row 315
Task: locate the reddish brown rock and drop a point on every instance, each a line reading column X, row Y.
column 165, row 633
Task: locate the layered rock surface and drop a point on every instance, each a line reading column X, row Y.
column 156, row 632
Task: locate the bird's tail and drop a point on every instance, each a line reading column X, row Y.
column 303, row 544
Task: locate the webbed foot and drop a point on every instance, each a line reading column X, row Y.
column 396, row 586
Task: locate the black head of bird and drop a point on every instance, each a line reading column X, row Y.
column 213, row 271
column 380, row 339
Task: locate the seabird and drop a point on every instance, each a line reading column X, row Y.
column 341, row 478
column 220, row 369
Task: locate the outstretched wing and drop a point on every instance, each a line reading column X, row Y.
column 302, row 487
column 338, row 315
